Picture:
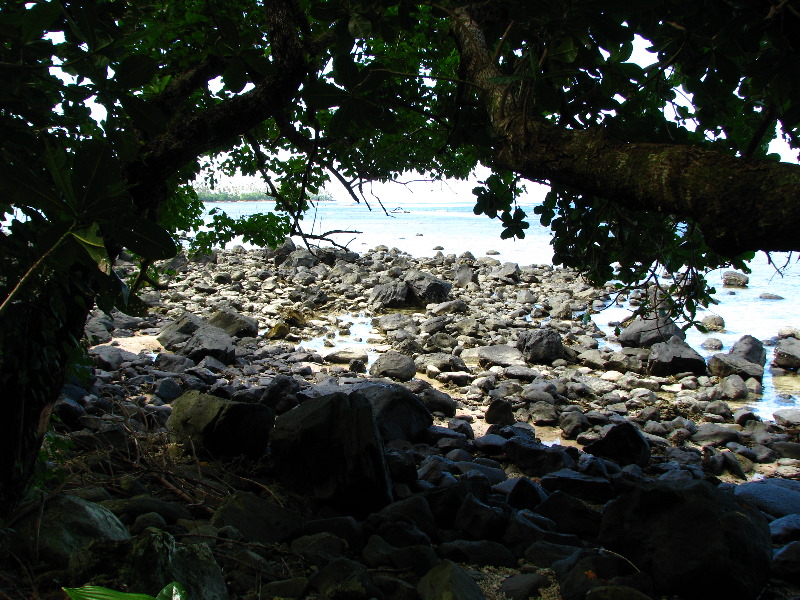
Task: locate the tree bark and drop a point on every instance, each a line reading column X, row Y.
column 739, row 204
column 36, row 352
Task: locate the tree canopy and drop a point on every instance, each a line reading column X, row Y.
column 663, row 164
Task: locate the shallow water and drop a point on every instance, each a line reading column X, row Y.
column 440, row 217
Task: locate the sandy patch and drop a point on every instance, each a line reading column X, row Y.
column 137, row 343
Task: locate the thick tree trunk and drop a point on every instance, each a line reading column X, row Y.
column 739, row 204
column 38, row 341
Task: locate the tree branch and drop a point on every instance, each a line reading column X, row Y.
column 739, row 205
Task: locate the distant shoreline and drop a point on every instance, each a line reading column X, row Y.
column 260, row 200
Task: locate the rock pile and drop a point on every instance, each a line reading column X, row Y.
column 494, row 446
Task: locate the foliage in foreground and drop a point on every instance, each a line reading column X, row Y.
column 172, row 591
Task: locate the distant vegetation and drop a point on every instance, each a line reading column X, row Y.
column 206, row 194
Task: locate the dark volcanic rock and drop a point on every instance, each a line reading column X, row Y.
column 540, row 346
column 723, row 365
column 180, row 330
column 777, row 497
column 390, row 295
column 570, row 514
column 330, row 448
column 694, row 540
column 786, row 563
column 448, row 580
column 537, row 459
column 787, row 354
column 644, row 333
column 674, row 356
column 257, row 519
column 427, row 289
column 580, row 485
column 623, row 444
column 395, row 366
column 478, row 552
column 751, row 349
column 399, row 414
column 234, row 323
column 221, row 427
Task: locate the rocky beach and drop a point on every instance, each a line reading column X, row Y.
column 475, row 435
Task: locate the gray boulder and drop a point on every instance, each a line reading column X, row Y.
column 97, row 328
column 448, row 580
column 540, row 346
column 280, row 253
column 786, row 563
column 776, row 497
column 66, row 525
column 221, row 427
column 399, row 414
column 110, row 358
column 785, row 529
column 787, row 354
column 179, row 331
column 643, row 333
column 427, row 289
column 751, row 349
column 734, row 387
column 694, row 540
column 713, row 323
column 735, row 279
column 330, row 448
column 301, row 257
column 344, row 356
column 501, row 355
column 537, row 459
column 442, row 361
column 787, row 417
column 212, row 341
column 389, row 295
column 463, row 276
column 623, row 444
column 450, row 307
column 394, row 321
column 714, row 434
column 395, row 366
column 257, row 519
column 234, row 323
column 346, row 579
column 723, row 365
column 674, row 356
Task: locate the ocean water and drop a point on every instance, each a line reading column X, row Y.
column 441, row 216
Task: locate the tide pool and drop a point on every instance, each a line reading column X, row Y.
column 419, row 224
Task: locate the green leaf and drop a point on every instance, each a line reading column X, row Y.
column 325, row 13
column 144, row 237
column 136, row 71
column 345, row 70
column 96, row 178
column 359, row 26
column 566, row 51
column 38, row 18
column 173, row 591
column 95, row 592
column 145, row 116
column 235, row 76
column 91, row 241
column 320, row 94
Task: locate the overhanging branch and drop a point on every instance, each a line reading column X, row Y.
column 739, row 204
